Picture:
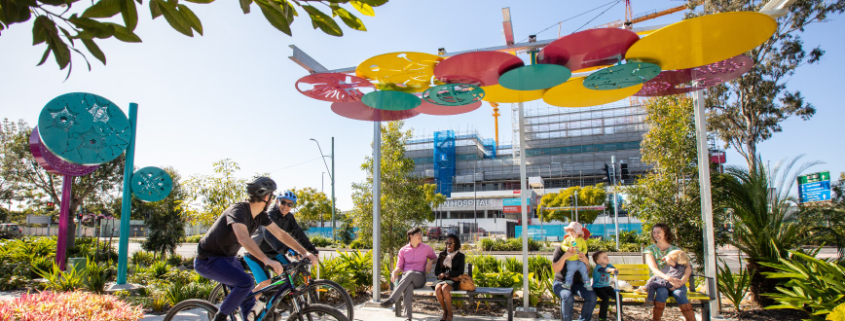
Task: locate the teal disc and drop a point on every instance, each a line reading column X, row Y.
column 535, row 77
column 453, row 94
column 621, row 76
column 391, row 100
column 151, row 184
column 84, row 129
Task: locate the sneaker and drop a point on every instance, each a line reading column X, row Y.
column 567, row 286
column 221, row 317
column 256, row 310
column 588, row 287
column 386, row 303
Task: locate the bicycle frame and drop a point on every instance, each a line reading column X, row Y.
column 278, row 281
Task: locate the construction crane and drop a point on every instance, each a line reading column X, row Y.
column 630, row 20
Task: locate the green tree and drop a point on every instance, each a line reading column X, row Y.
column 747, row 111
column 587, row 196
column 62, row 30
column 165, row 219
column 216, row 192
column 313, row 207
column 403, row 198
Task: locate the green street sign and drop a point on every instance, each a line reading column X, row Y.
column 814, row 178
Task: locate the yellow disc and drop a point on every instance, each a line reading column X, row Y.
column 573, row 94
column 409, row 71
column 499, row 94
column 703, row 40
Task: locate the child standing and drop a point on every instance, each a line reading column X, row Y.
column 601, row 282
column 575, row 239
column 676, row 263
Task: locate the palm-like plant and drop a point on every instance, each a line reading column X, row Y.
column 764, row 217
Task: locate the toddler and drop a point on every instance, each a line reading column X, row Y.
column 676, row 264
column 575, row 239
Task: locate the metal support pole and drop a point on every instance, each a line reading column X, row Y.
column 64, row 216
column 706, row 201
column 524, row 203
column 334, row 233
column 376, row 210
column 615, row 199
column 126, row 207
column 475, row 200
column 576, row 206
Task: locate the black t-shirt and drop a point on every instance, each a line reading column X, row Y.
column 220, row 240
column 561, row 276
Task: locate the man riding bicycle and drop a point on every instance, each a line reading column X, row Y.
column 218, row 248
column 270, row 245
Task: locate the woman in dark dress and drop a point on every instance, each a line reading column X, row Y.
column 450, row 264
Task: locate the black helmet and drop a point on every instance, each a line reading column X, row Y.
column 260, row 186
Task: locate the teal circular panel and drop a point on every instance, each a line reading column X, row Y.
column 535, row 77
column 84, row 129
column 621, row 76
column 453, row 94
column 391, row 100
column 151, row 184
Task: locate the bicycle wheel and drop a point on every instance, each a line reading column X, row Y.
column 329, row 293
column 217, row 294
column 192, row 310
column 318, row 312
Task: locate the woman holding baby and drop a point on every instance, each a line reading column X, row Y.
column 656, row 259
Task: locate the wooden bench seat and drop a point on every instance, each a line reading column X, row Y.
column 638, row 275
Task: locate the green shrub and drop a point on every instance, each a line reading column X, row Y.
column 320, row 241
column 541, row 266
column 194, row 238
column 732, row 285
column 509, row 245
column 812, row 285
column 484, row 263
column 513, row 264
column 175, row 260
column 42, row 263
column 629, row 247
column 63, row 281
column 361, row 244
column 360, row 265
column 159, row 269
column 143, row 258
column 98, row 274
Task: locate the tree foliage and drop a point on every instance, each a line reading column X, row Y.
column 404, row 200
column 748, row 110
column 313, row 207
column 165, row 219
column 62, row 29
column 216, row 192
column 587, row 196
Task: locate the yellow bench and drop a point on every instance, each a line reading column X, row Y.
column 637, row 275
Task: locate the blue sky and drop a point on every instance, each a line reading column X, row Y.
column 230, row 93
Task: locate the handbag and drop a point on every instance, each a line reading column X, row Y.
column 464, row 283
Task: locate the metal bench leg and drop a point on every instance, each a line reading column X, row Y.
column 397, row 308
column 510, row 308
column 705, row 312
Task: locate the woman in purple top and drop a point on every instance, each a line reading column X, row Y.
column 415, row 260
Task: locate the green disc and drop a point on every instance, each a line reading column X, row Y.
column 621, row 76
column 151, row 184
column 453, row 94
column 535, row 77
column 391, row 100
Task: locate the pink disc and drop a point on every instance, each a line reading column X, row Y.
column 437, row 110
column 334, row 87
column 673, row 82
column 53, row 163
column 589, row 48
column 358, row 111
column 484, row 66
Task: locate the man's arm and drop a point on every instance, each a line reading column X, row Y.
column 558, row 265
column 290, row 242
column 299, row 235
column 242, row 233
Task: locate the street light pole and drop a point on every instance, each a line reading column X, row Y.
column 331, row 176
column 322, row 186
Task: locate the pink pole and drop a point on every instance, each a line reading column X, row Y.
column 64, row 213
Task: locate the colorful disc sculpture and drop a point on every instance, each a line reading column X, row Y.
column 334, row 87
column 53, row 164
column 151, row 184
column 573, row 93
column 588, row 49
column 402, row 71
column 358, row 111
column 84, row 128
column 535, row 77
column 391, row 100
column 673, row 82
column 499, row 94
column 438, row 110
column 484, row 66
column 621, row 76
column 453, row 94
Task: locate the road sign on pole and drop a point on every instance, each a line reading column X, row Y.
column 814, row 187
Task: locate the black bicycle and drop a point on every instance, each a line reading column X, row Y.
column 321, row 291
column 280, row 296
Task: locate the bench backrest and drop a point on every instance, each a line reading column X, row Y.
column 637, row 274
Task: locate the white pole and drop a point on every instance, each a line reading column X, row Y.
column 576, row 207
column 524, row 204
column 615, row 202
column 376, row 210
column 706, row 201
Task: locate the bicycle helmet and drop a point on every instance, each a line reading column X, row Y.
column 260, row 186
column 287, row 195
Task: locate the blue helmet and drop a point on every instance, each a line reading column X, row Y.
column 287, row 195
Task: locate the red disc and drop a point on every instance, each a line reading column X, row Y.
column 485, row 66
column 437, row 110
column 588, row 48
column 358, row 111
column 334, row 87
column 673, row 82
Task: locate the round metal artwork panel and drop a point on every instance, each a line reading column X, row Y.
column 438, row 110
column 453, row 94
column 391, row 100
column 406, row 71
column 334, row 87
column 535, row 77
column 485, row 66
column 574, row 94
column 53, row 164
column 703, row 40
column 499, row 94
column 621, row 76
column 588, row 48
column 84, row 128
column 359, row 111
column 673, row 82
column 151, row 184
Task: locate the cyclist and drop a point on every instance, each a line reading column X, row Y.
column 270, row 245
column 217, row 249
